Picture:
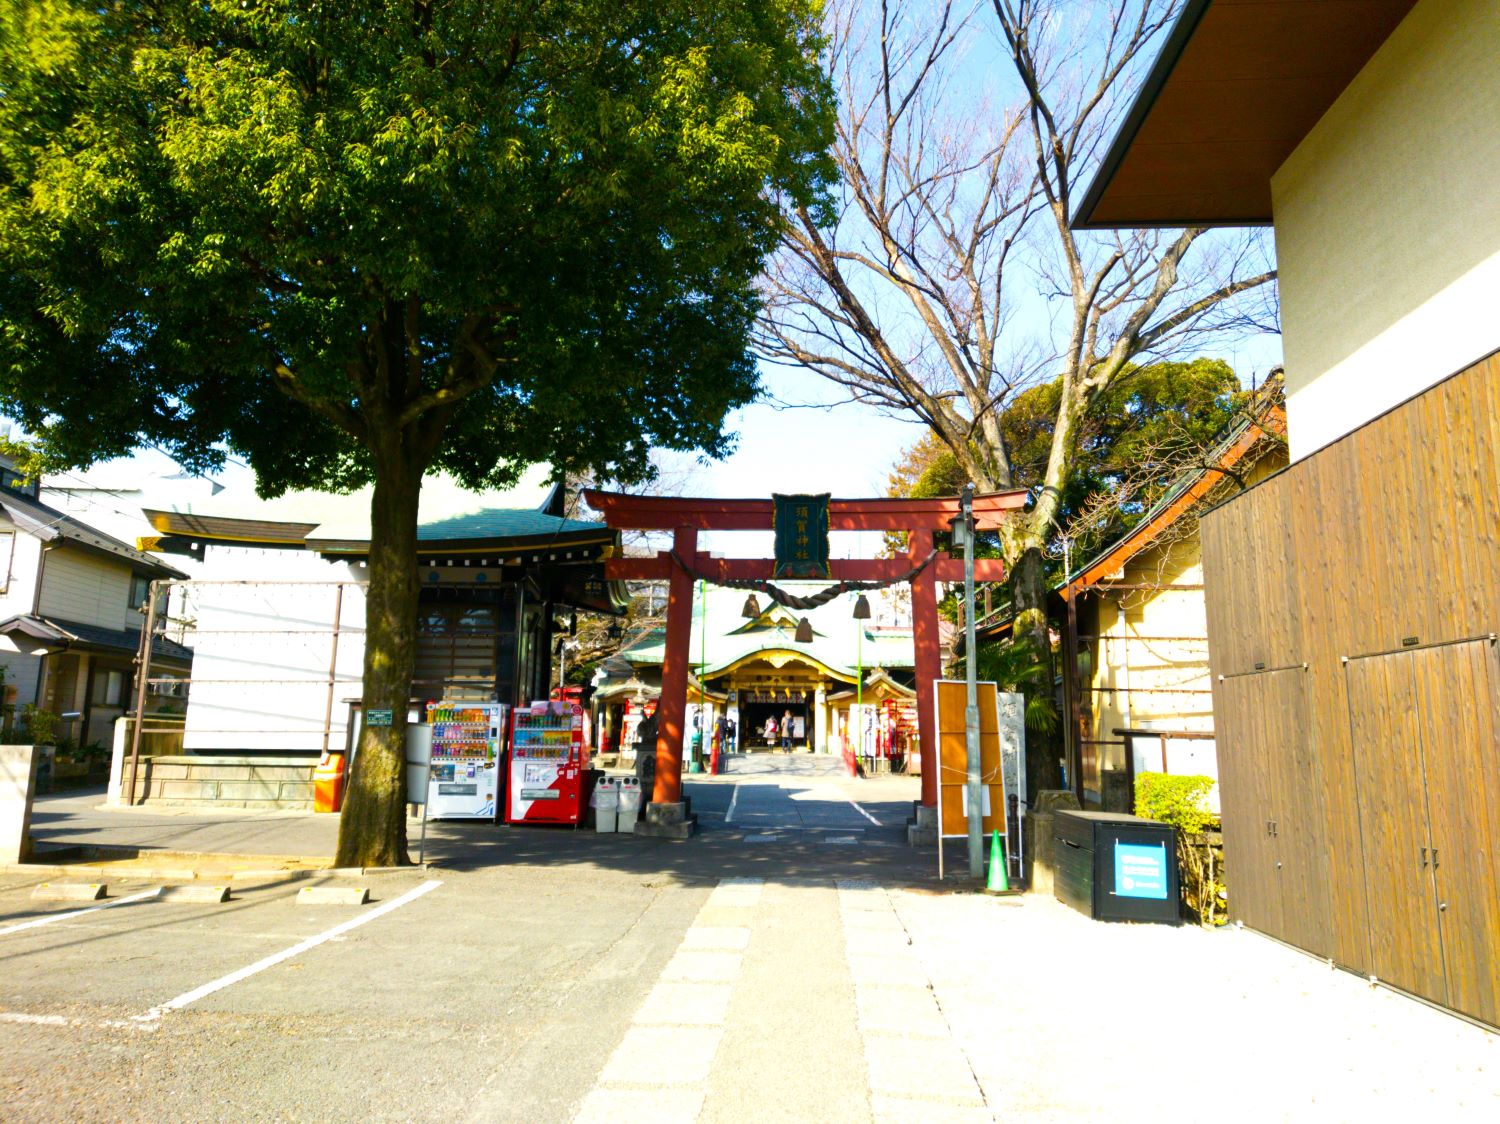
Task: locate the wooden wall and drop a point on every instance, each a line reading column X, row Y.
column 1356, row 728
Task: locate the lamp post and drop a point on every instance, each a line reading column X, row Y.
column 696, row 764
column 963, row 531
column 861, row 614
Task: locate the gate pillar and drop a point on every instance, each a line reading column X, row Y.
column 666, row 816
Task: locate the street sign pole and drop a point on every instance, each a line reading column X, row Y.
column 971, row 711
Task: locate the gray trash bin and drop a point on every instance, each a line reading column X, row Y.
column 606, row 804
column 630, row 804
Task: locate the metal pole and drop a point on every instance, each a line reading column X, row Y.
column 971, row 710
column 333, row 666
column 140, row 689
column 859, row 689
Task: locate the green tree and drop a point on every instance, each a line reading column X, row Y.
column 362, row 242
column 1133, row 442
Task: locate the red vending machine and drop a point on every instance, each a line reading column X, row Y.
column 546, row 764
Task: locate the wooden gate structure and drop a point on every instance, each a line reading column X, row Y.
column 1353, row 613
column 683, row 564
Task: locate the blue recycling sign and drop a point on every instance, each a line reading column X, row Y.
column 1141, row 870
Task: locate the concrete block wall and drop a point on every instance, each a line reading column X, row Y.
column 239, row 782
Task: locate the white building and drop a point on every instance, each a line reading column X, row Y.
column 276, row 614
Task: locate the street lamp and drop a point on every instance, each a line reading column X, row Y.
column 861, row 614
column 963, row 535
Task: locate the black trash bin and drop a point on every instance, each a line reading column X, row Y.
column 1115, row 867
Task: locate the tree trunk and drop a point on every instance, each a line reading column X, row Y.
column 1029, row 595
column 372, row 829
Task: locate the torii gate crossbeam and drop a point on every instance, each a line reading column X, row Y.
column 684, row 518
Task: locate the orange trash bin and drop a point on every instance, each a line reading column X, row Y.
column 328, row 783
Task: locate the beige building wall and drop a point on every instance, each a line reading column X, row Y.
column 1387, row 227
column 87, row 589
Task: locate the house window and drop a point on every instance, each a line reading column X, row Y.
column 109, row 688
column 140, row 588
column 7, row 556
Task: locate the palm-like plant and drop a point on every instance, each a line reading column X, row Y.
column 1016, row 666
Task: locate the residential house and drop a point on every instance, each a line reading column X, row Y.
column 1137, row 686
column 71, row 617
column 1354, row 598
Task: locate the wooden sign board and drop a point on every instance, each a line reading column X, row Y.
column 952, row 700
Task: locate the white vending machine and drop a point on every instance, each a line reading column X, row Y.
column 467, row 743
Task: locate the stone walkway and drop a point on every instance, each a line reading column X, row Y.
column 846, row 1001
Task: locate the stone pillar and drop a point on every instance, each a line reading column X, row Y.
column 17, row 787
column 820, row 721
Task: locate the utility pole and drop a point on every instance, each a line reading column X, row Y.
column 971, row 711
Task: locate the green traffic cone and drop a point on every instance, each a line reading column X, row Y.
column 997, row 882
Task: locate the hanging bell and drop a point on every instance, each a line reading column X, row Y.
column 751, row 609
column 862, row 608
column 804, row 631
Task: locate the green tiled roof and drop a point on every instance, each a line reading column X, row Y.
column 731, row 638
column 503, row 523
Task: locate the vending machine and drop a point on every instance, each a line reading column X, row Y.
column 467, row 743
column 546, row 764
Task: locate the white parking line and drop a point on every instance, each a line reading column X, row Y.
column 733, row 796
column 285, row 954
column 866, row 814
column 51, row 917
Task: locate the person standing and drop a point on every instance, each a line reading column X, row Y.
column 730, row 730
column 786, row 731
column 769, row 733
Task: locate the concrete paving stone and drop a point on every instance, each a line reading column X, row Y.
column 900, row 1010
column 725, row 916
column 857, row 885
column 682, row 1003
column 878, row 942
column 702, row 966
column 908, row 1110
column 920, row 1067
column 724, row 938
column 902, row 971
column 620, row 1106
column 761, row 838
column 872, row 921
column 662, row 1055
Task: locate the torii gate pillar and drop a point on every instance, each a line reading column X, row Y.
column 667, row 814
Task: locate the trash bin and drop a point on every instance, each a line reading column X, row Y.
column 328, row 783
column 1115, row 867
column 606, row 804
column 630, row 804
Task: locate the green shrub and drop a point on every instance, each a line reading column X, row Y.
column 1180, row 801
column 41, row 725
column 1177, row 800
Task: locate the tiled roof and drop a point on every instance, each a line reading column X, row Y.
column 502, row 523
column 49, row 525
column 72, row 633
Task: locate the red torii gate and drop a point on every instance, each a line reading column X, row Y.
column 684, row 518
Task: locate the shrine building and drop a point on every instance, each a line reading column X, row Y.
column 845, row 680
